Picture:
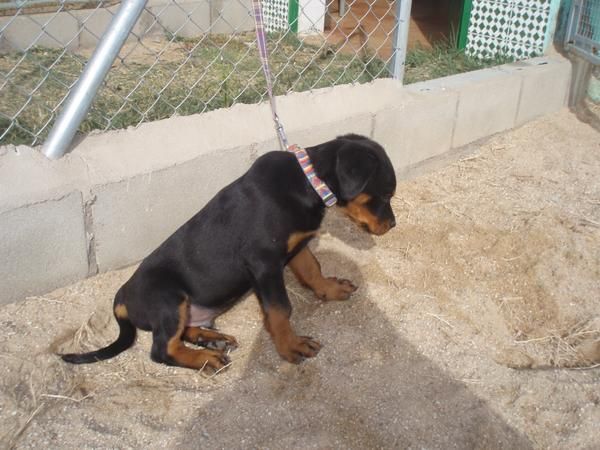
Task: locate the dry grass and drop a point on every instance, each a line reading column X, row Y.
column 443, row 59
column 574, row 347
column 159, row 78
column 188, row 76
column 44, row 387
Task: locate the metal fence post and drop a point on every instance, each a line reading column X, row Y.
column 80, row 98
column 400, row 40
column 582, row 40
column 582, row 70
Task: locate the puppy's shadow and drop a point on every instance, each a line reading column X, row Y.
column 338, row 225
column 304, row 302
column 368, row 388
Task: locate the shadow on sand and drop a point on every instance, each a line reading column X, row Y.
column 368, row 388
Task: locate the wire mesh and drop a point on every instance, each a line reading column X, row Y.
column 181, row 58
column 583, row 33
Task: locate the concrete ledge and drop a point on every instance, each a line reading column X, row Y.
column 119, row 194
column 27, row 177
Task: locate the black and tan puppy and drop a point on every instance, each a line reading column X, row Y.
column 241, row 240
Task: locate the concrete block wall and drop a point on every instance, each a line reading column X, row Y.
column 188, row 19
column 114, row 198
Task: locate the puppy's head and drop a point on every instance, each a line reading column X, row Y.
column 366, row 183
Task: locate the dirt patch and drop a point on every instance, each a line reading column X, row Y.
column 494, row 265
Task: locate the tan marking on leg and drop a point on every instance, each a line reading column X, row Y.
column 296, row 238
column 175, row 341
column 192, row 358
column 308, row 271
column 121, row 311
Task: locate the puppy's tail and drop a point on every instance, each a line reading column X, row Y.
column 127, row 332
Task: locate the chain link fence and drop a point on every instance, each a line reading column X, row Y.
column 182, row 57
column 583, row 33
column 582, row 40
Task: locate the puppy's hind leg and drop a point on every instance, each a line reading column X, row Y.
column 209, row 338
column 168, row 328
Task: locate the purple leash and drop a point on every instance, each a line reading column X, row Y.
column 303, row 159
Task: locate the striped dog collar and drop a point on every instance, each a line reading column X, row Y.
column 318, row 185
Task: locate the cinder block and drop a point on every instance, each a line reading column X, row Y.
column 545, row 87
column 317, row 116
column 94, row 23
column 186, row 19
column 124, row 154
column 486, row 107
column 132, row 217
column 42, row 247
column 418, row 128
column 145, row 26
column 231, row 16
column 487, row 102
column 47, row 30
column 313, row 109
column 306, row 137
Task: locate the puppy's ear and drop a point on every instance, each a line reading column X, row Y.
column 355, row 166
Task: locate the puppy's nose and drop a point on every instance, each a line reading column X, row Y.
column 392, row 222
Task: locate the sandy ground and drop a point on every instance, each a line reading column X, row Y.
column 476, row 325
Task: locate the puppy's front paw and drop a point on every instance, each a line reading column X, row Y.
column 299, row 348
column 336, row 289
